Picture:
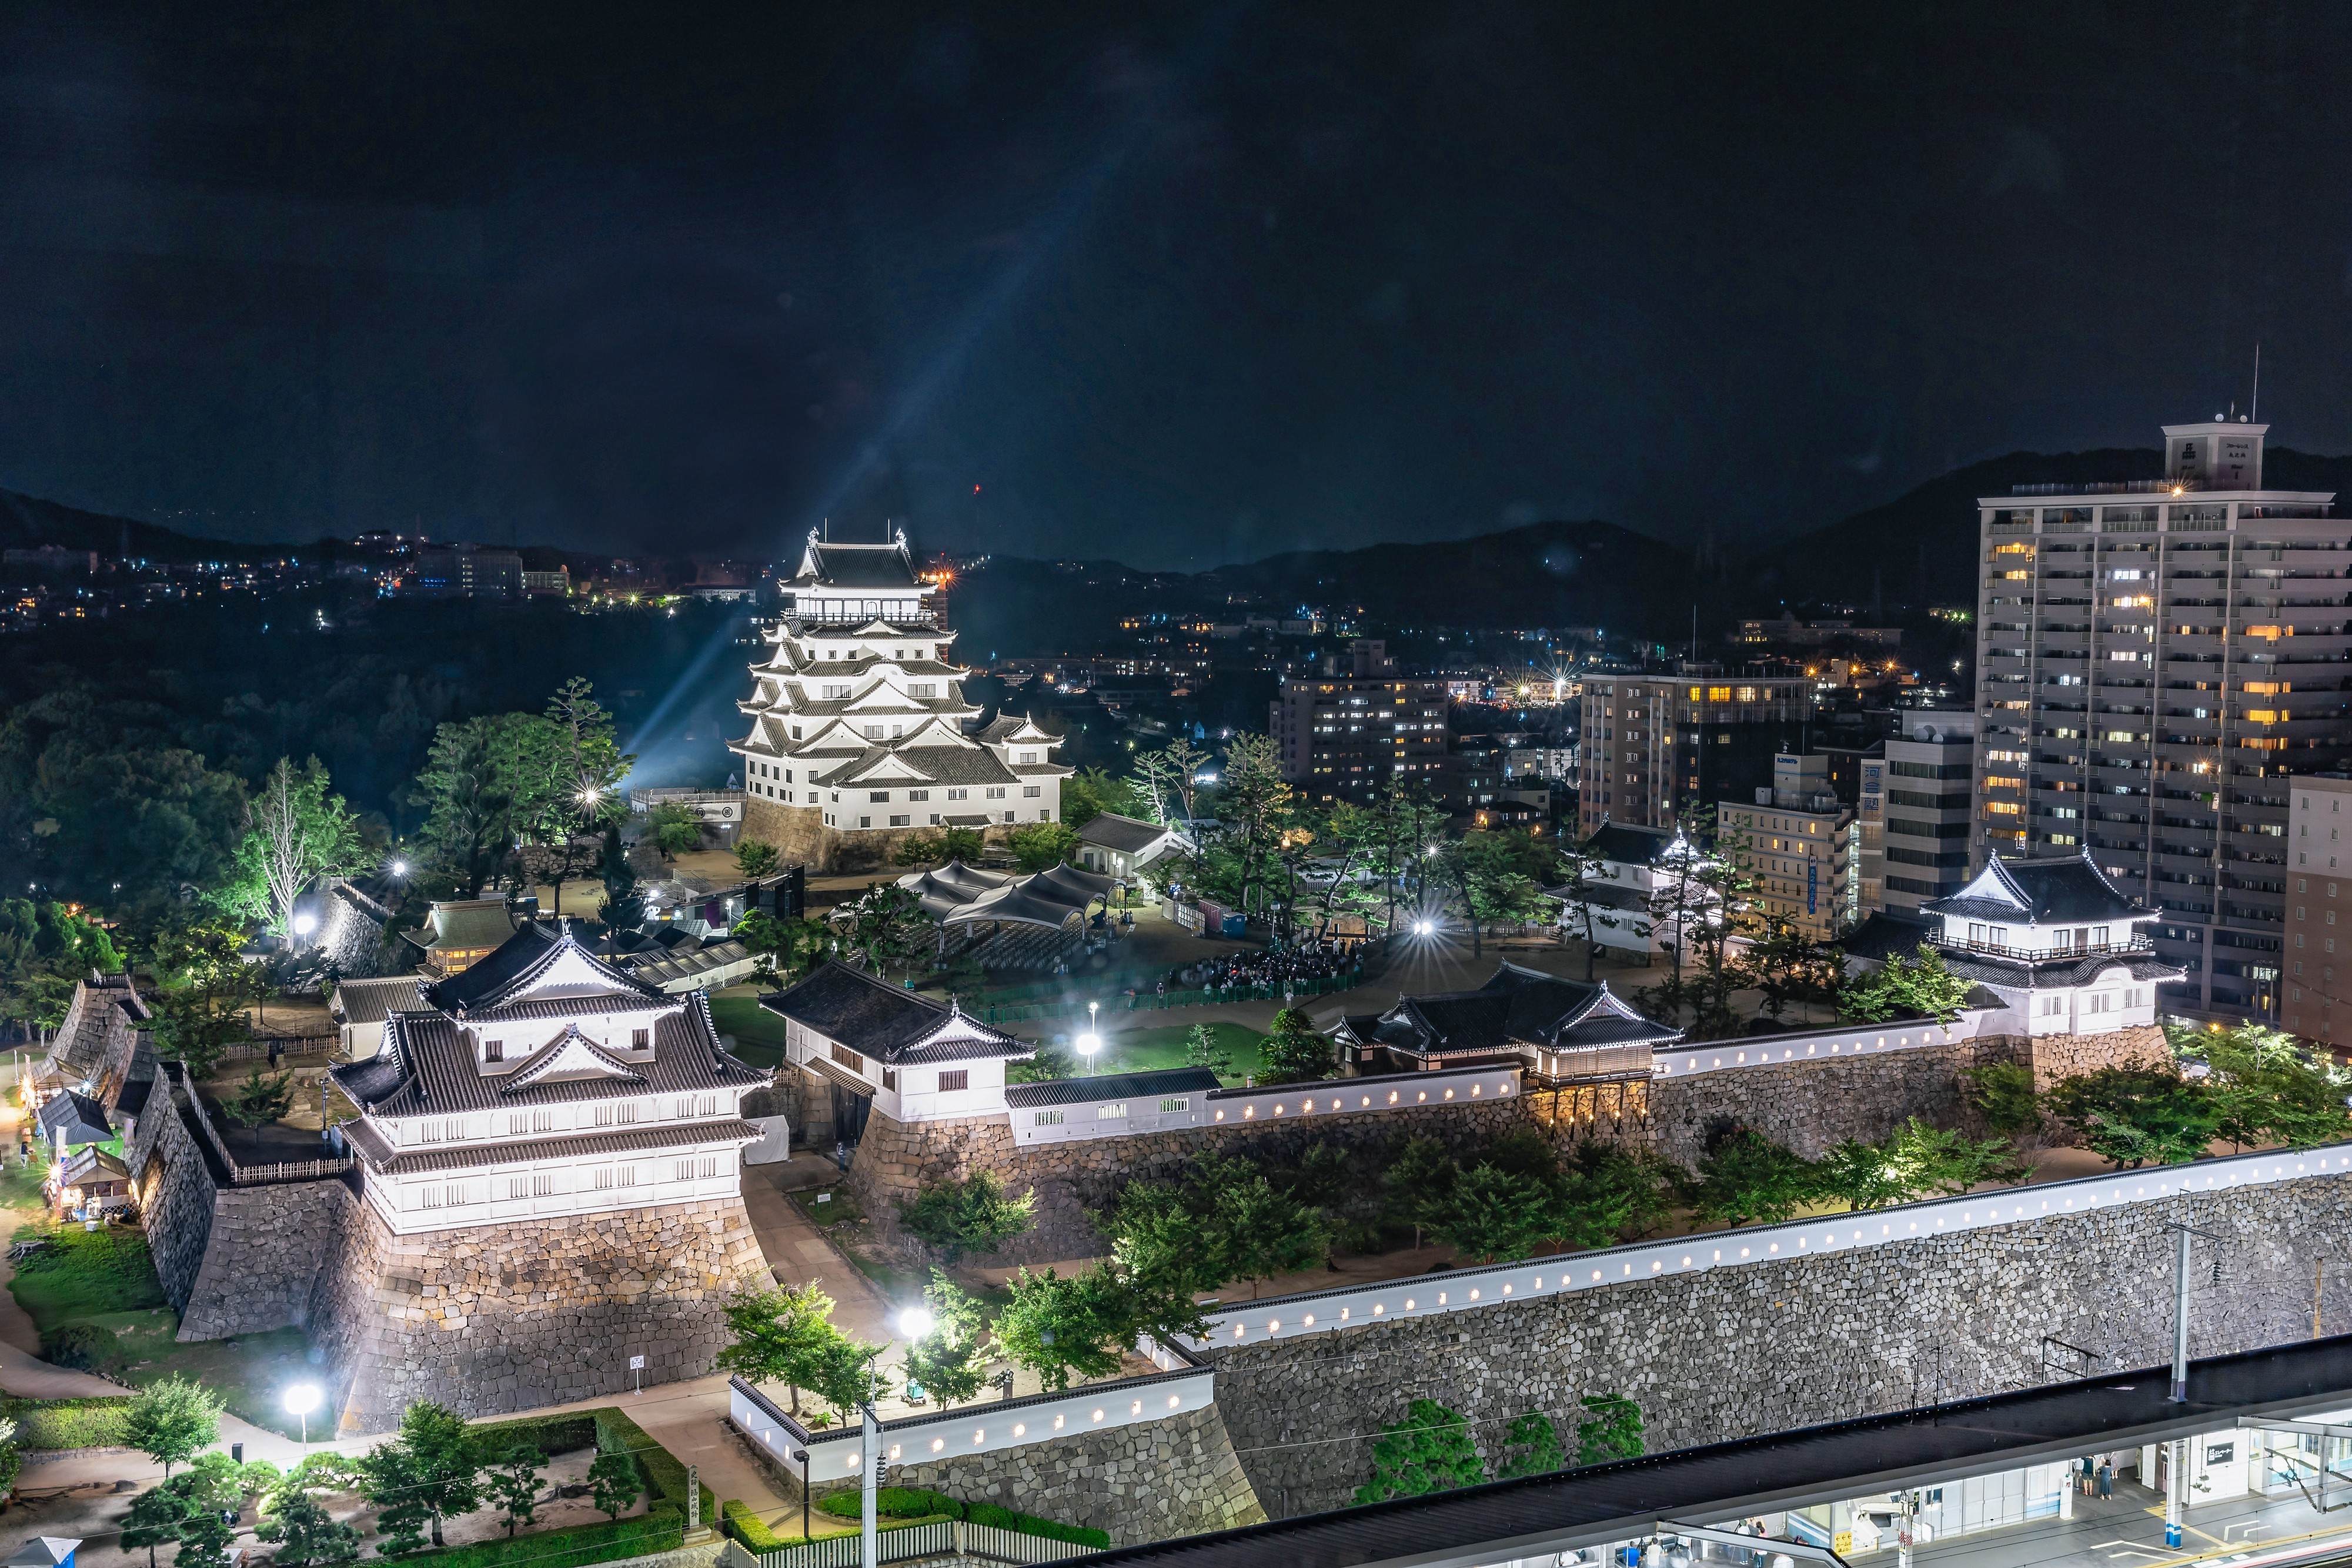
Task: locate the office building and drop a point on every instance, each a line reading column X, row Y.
column 1922, row 839
column 1654, row 743
column 2319, row 909
column 1800, row 843
column 465, row 571
column 2156, row 657
column 1356, row 728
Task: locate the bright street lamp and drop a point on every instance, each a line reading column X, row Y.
column 400, row 868
column 301, row 1400
column 1424, row 928
column 917, row 1322
column 305, row 923
column 1090, row 1041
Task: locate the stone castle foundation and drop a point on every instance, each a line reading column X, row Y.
column 506, row 1317
column 1739, row 1352
column 800, row 834
column 1809, row 1106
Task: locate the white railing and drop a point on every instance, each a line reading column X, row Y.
column 1462, row 1289
column 1867, row 1039
column 937, row 1436
column 1082, row 1119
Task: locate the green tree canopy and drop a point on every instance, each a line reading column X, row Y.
column 296, row 830
column 780, row 1335
column 756, row 858
column 2137, row 1116
column 1919, row 987
column 949, row 1364
column 1532, row 1448
column 172, row 1420
column 1430, row 1450
column 428, row 1474
column 972, row 1215
column 1294, row 1052
column 1040, row 846
column 1612, row 1429
column 1745, row 1175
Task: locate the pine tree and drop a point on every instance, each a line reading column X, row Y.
column 1430, row 1450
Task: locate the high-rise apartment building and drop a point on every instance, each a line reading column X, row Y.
column 2319, row 908
column 1924, row 815
column 1358, row 729
column 1654, row 743
column 2155, row 658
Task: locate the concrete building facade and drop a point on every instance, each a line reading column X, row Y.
column 1654, row 743
column 1801, row 844
column 2156, row 657
column 1356, row 727
column 1923, row 832
column 2319, row 908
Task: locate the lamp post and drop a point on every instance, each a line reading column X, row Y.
column 1090, row 1041
column 800, row 1457
column 301, row 1400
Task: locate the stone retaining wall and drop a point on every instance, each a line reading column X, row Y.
column 1736, row 1352
column 1142, row 1482
column 505, row 1317
column 897, row 1159
column 800, row 834
column 1812, row 1105
column 176, row 1191
column 262, row 1255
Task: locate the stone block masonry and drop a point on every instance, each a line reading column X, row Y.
column 1142, row 1483
column 1736, row 1352
column 261, row 1260
column 505, row 1317
column 895, row 1160
column 1812, row 1105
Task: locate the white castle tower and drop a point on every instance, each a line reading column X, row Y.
column 860, row 733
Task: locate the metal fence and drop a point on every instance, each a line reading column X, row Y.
column 284, row 1045
column 939, row 1539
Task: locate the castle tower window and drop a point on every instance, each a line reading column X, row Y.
column 950, row 1082
column 494, row 1050
column 641, row 1040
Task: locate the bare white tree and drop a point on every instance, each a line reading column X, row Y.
column 295, row 832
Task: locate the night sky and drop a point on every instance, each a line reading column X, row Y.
column 1175, row 285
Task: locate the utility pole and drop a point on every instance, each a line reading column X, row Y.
column 870, row 1481
column 1902, row 1528
column 2175, row 1453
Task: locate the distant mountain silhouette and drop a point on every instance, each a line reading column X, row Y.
column 26, row 521
column 1920, row 548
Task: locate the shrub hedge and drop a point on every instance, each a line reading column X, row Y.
column 749, row 1528
column 891, row 1502
column 550, row 1435
column 1030, row 1524
column 913, row 1502
column 662, row 1527
column 573, row 1548
column 50, row 1424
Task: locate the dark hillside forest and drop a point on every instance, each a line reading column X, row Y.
column 128, row 743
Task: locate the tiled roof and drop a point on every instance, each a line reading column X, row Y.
column 371, row 1000
column 428, row 1069
column 81, row 1118
column 1516, row 1008
column 2059, row 891
column 1114, row 1086
column 1123, row 834
column 94, row 1163
column 876, row 1019
column 1629, row 844
column 470, row 922
column 517, row 961
column 476, row 1154
column 856, row 566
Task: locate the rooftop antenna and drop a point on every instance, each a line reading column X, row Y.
column 2254, row 409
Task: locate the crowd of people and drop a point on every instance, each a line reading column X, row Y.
column 1275, row 972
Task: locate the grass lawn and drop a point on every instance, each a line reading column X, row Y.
column 759, row 1034
column 106, row 1279
column 20, row 1185
column 1149, row 1049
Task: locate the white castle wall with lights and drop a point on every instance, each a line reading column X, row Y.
column 1769, row 1327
